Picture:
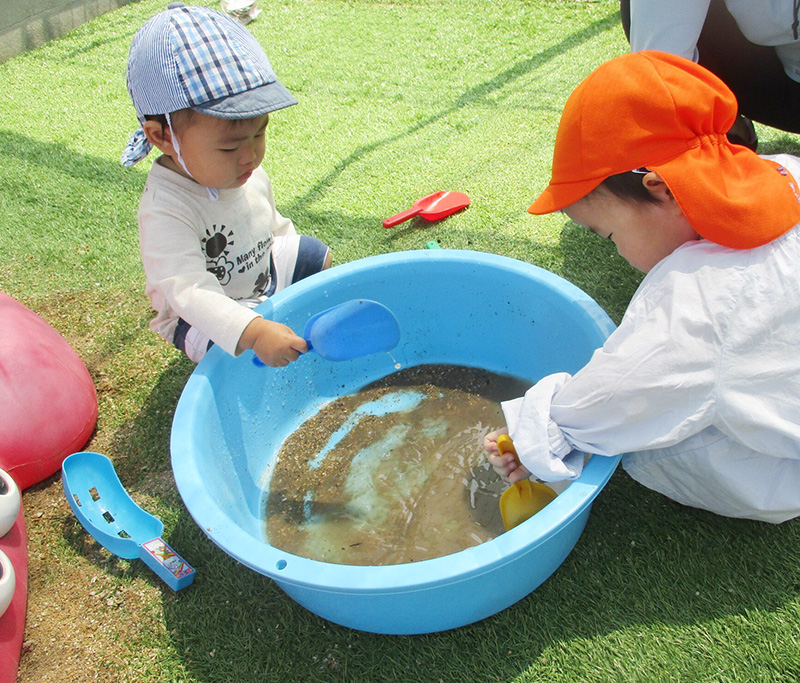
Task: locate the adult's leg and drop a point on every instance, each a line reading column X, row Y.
column 625, row 15
column 753, row 72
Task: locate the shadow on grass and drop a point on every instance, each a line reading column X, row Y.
column 681, row 567
column 784, row 144
column 143, row 443
column 593, row 264
column 472, row 96
column 56, row 156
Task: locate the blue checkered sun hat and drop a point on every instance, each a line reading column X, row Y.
column 198, row 58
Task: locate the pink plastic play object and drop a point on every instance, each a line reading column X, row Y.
column 12, row 622
column 432, row 208
column 48, row 398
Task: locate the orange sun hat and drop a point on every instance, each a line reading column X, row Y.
column 665, row 113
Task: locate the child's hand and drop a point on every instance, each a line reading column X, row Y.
column 274, row 343
column 505, row 465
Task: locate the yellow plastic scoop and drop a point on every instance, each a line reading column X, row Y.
column 523, row 499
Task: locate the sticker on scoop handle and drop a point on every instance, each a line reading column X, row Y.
column 176, row 572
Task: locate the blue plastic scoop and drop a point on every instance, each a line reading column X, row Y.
column 355, row 328
column 108, row 513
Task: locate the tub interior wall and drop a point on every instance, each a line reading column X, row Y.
column 449, row 312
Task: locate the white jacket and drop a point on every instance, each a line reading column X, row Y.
column 708, row 351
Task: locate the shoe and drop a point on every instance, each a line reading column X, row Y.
column 743, row 132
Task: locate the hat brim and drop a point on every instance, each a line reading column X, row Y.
column 250, row 103
column 557, row 196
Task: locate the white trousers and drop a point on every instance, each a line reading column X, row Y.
column 712, row 472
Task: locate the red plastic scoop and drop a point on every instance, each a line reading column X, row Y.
column 431, row 208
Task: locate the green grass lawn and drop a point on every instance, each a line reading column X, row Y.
column 397, row 100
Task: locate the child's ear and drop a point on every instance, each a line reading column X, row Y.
column 159, row 136
column 656, row 186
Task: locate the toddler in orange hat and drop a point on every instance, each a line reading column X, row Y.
column 699, row 385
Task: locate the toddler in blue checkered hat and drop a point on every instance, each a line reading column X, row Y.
column 213, row 244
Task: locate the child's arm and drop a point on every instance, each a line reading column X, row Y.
column 505, row 465
column 274, row 343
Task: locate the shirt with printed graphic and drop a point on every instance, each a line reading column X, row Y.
column 201, row 256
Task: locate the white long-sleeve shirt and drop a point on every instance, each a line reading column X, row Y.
column 674, row 26
column 710, row 341
column 200, row 256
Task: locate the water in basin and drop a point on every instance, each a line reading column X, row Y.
column 394, row 473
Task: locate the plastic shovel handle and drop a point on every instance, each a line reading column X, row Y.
column 402, row 216
column 261, row 364
column 523, row 499
column 171, row 568
column 506, row 445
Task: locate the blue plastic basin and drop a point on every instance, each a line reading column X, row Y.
column 459, row 307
